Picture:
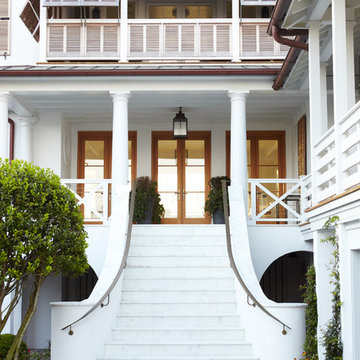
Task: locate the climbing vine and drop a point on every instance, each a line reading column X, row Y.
column 331, row 339
column 311, row 315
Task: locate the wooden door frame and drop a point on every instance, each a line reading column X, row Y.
column 192, row 135
column 261, row 135
column 102, row 135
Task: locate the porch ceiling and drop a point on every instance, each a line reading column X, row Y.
column 159, row 107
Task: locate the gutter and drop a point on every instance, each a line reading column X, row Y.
column 297, row 45
column 152, row 72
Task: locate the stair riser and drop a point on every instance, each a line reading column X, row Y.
column 178, row 336
column 174, row 349
column 178, row 240
column 178, row 296
column 177, row 251
column 174, row 309
column 179, row 230
column 178, row 261
column 178, row 322
column 172, row 273
column 179, row 284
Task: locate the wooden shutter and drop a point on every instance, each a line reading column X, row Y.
column 206, row 39
column 4, row 27
column 93, row 40
column 152, row 40
column 31, row 17
column 188, row 40
column 301, row 133
column 266, row 41
column 111, row 39
column 223, row 39
column 136, row 39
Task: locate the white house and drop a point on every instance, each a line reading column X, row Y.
column 89, row 88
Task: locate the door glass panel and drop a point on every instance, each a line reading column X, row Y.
column 130, row 179
column 94, row 170
column 195, row 11
column 194, row 178
column 162, row 12
column 269, row 168
column 168, row 176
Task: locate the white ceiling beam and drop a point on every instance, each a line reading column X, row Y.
column 18, row 107
column 300, row 6
column 318, row 9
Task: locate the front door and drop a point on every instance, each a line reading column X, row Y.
column 181, row 169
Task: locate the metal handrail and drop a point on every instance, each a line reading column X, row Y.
column 121, row 268
column 255, row 302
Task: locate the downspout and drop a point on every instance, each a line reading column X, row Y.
column 12, row 136
column 278, row 34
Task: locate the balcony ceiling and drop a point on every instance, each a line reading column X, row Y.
column 160, row 107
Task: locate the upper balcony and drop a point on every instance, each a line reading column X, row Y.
column 151, row 31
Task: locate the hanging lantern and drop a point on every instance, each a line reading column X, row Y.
column 180, row 126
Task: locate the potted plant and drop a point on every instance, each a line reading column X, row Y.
column 148, row 208
column 214, row 203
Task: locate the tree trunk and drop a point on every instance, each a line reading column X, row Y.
column 13, row 352
column 10, row 308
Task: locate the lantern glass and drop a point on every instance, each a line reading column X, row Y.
column 180, row 126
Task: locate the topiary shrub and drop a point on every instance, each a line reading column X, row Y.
column 215, row 198
column 5, row 343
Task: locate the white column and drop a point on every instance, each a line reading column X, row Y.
column 27, row 138
column 238, row 149
column 339, row 46
column 124, row 31
column 43, row 34
column 318, row 122
column 235, row 30
column 324, row 98
column 120, row 139
column 4, row 140
column 350, row 64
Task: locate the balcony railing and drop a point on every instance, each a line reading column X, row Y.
column 160, row 39
column 277, row 200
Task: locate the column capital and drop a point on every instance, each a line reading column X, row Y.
column 4, row 96
column 120, row 96
column 238, row 95
column 27, row 120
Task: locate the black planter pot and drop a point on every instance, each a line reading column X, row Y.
column 218, row 217
column 148, row 213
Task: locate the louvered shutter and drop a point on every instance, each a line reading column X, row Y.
column 81, row 2
column 188, row 40
column 171, row 39
column 111, row 40
column 93, row 40
column 73, row 40
column 248, row 39
column 152, row 40
column 31, row 17
column 206, row 39
column 4, row 27
column 56, row 40
column 223, row 39
column 136, row 39
column 266, row 42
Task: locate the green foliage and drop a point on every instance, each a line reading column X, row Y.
column 41, row 234
column 43, row 354
column 332, row 334
column 311, row 315
column 5, row 343
column 146, row 193
column 215, row 198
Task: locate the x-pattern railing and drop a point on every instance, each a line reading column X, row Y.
column 93, row 210
column 259, row 213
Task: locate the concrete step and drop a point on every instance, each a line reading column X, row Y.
column 170, row 308
column 178, row 284
column 220, row 321
column 171, row 250
column 178, row 261
column 178, row 240
column 178, row 230
column 176, row 357
column 177, row 336
column 176, row 272
column 143, row 295
column 168, row 348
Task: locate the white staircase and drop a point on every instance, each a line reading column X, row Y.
column 178, row 300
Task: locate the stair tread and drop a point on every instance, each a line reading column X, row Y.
column 177, row 329
column 196, row 342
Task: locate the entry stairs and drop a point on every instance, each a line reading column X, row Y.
column 178, row 300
